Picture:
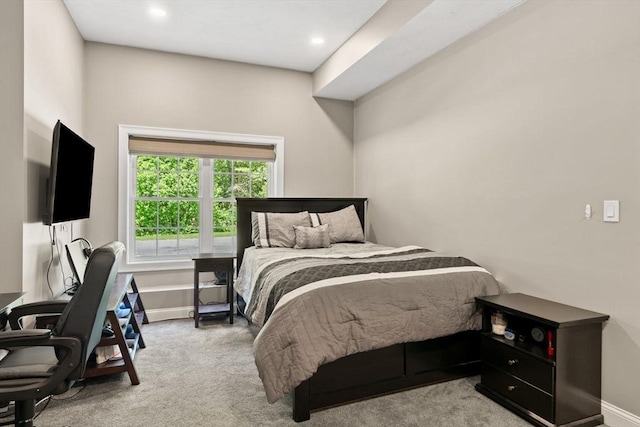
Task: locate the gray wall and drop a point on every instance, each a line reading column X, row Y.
column 11, row 131
column 42, row 81
column 54, row 77
column 147, row 88
column 492, row 148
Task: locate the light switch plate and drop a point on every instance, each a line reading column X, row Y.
column 611, row 211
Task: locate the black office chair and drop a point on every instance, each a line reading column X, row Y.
column 44, row 362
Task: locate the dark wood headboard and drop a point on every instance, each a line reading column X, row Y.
column 286, row 204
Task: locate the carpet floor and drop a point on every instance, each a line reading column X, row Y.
column 207, row 377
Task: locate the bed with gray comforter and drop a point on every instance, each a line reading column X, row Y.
column 319, row 305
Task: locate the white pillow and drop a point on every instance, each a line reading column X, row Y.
column 344, row 225
column 312, row 237
column 272, row 229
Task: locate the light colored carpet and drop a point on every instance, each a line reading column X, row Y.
column 207, row 377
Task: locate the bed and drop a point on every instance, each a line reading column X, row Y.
column 352, row 319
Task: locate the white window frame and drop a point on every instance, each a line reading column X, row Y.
column 126, row 232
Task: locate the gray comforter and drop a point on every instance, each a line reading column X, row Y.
column 314, row 308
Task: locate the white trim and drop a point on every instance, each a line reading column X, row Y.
column 188, row 287
column 168, row 288
column 206, row 209
column 278, row 176
column 173, row 313
column 125, row 174
column 159, row 314
column 617, row 417
column 157, row 265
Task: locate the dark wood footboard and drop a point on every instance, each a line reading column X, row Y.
column 387, row 370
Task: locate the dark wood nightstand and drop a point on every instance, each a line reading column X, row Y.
column 550, row 372
column 212, row 263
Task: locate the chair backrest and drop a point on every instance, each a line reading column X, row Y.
column 84, row 315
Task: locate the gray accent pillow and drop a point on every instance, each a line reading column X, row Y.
column 344, row 225
column 312, row 237
column 272, row 229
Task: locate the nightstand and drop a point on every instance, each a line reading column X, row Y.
column 550, row 372
column 213, row 262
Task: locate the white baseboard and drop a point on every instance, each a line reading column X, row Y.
column 159, row 314
column 616, row 417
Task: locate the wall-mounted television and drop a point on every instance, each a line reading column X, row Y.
column 70, row 177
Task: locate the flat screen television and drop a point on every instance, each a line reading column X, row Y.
column 70, row 177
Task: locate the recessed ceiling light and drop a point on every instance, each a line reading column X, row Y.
column 157, row 12
column 317, row 40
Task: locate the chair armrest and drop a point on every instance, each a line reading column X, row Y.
column 35, row 308
column 67, row 371
column 24, row 337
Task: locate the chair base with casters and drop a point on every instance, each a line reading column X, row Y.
column 42, row 362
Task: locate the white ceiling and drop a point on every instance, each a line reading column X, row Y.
column 278, row 33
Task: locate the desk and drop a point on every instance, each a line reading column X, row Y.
column 212, row 262
column 6, row 299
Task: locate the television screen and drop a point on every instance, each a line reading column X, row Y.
column 70, row 177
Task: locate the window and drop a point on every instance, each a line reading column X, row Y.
column 178, row 189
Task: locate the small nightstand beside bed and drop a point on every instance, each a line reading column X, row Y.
column 343, row 319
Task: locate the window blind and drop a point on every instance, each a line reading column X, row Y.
column 206, row 149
